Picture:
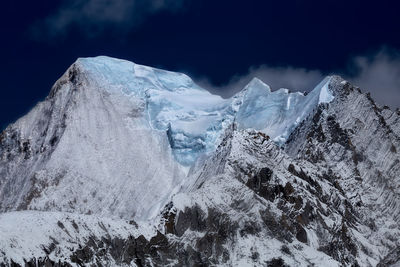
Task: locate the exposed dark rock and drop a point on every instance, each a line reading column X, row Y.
column 276, row 262
column 53, row 140
column 337, row 134
column 285, row 249
column 393, row 149
column 302, row 175
column 82, row 255
column 281, row 230
column 301, row 234
column 169, row 217
column 190, row 218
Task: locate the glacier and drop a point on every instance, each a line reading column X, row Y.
column 192, row 117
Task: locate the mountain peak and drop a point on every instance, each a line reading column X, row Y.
column 324, row 90
column 131, row 78
column 257, row 84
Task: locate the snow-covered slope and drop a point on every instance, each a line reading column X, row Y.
column 263, row 178
column 117, row 138
column 50, row 237
column 87, row 149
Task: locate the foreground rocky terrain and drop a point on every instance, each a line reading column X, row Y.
column 129, row 165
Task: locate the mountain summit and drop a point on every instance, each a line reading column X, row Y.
column 124, row 164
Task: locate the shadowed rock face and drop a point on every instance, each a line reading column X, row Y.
column 328, row 195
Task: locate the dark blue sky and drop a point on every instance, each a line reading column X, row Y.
column 209, row 40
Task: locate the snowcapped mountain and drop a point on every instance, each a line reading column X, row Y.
column 124, row 164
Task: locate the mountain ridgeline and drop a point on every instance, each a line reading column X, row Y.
column 128, row 165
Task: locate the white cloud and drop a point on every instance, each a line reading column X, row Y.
column 94, row 16
column 378, row 73
column 296, row 79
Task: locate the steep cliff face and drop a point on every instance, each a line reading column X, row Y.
column 258, row 191
column 129, row 165
column 356, row 141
